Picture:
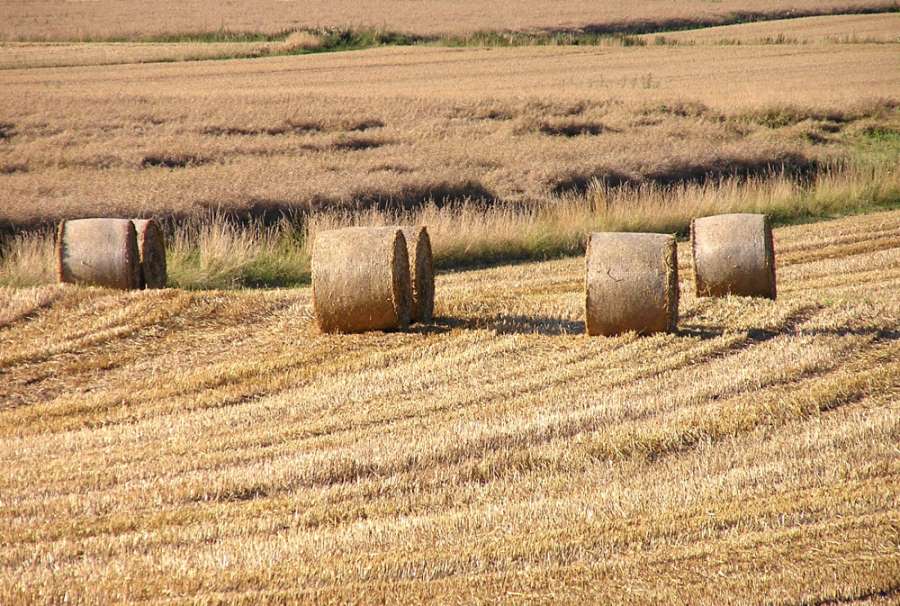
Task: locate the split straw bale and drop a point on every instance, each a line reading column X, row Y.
column 152, row 249
column 733, row 254
column 631, row 283
column 360, row 279
column 98, row 252
column 421, row 271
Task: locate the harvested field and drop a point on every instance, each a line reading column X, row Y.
column 62, row 54
column 831, row 29
column 498, row 455
column 131, row 19
column 400, row 126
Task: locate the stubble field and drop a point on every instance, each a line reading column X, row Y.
column 178, row 446
column 211, row 446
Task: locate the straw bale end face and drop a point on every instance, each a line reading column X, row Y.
column 152, row 250
column 631, row 284
column 733, row 254
column 361, row 280
column 421, row 272
column 98, row 252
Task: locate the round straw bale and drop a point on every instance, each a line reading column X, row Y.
column 631, row 283
column 733, row 254
column 421, row 270
column 152, row 249
column 98, row 252
column 360, row 279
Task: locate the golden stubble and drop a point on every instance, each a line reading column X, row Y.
column 214, row 446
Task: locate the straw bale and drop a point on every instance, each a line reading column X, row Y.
column 98, row 252
column 152, row 249
column 733, row 254
column 360, row 279
column 631, row 284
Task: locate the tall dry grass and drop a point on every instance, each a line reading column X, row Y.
column 218, row 251
column 28, row 260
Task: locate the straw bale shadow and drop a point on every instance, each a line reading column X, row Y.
column 363, row 125
column 505, row 325
column 289, row 127
column 789, row 326
column 358, row 144
column 12, row 168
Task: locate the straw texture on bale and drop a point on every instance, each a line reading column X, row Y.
column 152, row 250
column 360, row 279
column 421, row 271
column 733, row 254
column 98, row 252
column 631, row 284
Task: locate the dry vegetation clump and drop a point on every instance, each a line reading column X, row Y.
column 28, row 259
column 216, row 251
column 631, row 284
column 301, row 41
column 219, row 250
column 497, row 454
column 733, row 255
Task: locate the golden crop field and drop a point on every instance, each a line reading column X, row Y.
column 65, row 54
column 132, row 19
column 212, row 447
column 832, row 29
column 408, row 124
column 845, row 29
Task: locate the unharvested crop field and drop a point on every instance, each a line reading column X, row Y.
column 842, row 29
column 132, row 19
column 831, row 29
column 212, row 446
column 405, row 125
column 64, row 54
